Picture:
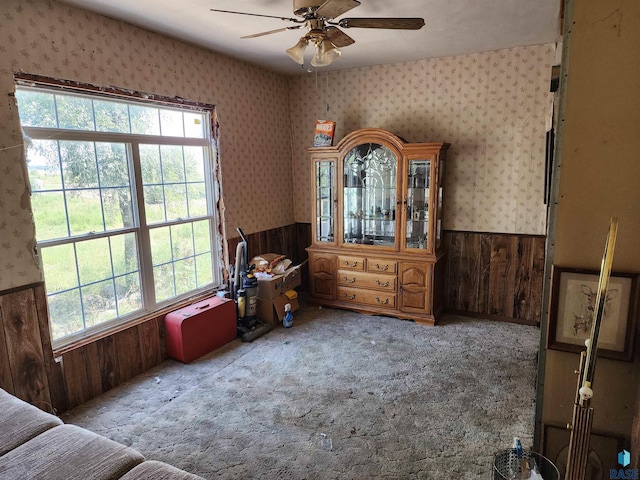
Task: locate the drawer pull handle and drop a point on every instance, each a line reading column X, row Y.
column 386, row 267
column 380, row 284
column 386, row 301
column 352, row 265
column 353, row 280
column 349, row 297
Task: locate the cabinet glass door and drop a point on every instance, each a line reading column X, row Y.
column 439, row 200
column 370, row 195
column 325, row 200
column 417, row 214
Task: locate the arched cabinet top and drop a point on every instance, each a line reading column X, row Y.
column 378, row 135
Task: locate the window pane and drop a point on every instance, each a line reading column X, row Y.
column 194, row 125
column 49, row 215
column 163, row 280
column 65, row 313
column 202, row 236
column 185, row 275
column 204, row 269
column 44, row 165
column 150, row 164
column 94, row 260
column 171, row 123
column 37, row 109
column 118, row 208
column 74, row 112
column 144, row 120
column 197, row 199
column 181, row 241
column 176, row 201
column 160, row 245
column 99, row 302
column 128, row 294
column 78, row 164
column 124, row 252
column 194, row 163
column 113, row 165
column 154, row 204
column 172, row 164
column 59, row 264
column 111, row 116
column 85, row 211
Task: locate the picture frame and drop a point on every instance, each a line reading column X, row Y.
column 603, row 451
column 573, row 294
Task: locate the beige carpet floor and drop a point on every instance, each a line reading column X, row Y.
column 338, row 396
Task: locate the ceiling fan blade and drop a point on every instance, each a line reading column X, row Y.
column 338, row 37
column 335, row 8
column 271, row 31
column 391, row 23
column 288, row 19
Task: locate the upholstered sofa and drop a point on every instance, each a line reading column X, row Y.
column 37, row 445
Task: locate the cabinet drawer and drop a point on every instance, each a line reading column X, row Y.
column 349, row 278
column 351, row 263
column 381, row 266
column 378, row 299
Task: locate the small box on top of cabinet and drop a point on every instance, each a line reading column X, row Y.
column 200, row 328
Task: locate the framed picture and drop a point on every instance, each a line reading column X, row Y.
column 603, row 451
column 573, row 297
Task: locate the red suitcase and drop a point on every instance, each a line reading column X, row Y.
column 200, row 328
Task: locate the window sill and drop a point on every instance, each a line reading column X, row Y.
column 58, row 351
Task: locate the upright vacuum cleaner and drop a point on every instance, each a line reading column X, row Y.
column 244, row 289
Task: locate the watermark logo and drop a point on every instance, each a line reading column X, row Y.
column 624, row 459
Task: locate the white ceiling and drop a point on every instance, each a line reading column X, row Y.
column 453, row 27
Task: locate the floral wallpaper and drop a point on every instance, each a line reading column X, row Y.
column 48, row 38
column 491, row 107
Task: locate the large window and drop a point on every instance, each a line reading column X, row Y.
column 122, row 200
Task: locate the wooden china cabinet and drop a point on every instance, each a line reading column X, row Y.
column 377, row 226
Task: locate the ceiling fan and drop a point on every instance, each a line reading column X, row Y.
column 317, row 16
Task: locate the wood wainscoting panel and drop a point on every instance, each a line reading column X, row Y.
column 484, row 261
column 53, row 368
column 6, row 380
column 127, row 343
column 495, row 275
column 290, row 240
column 28, row 369
column 95, row 368
column 82, row 374
column 19, row 318
column 150, row 349
column 108, row 360
column 502, row 275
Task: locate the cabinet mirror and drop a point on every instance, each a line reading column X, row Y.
column 370, row 195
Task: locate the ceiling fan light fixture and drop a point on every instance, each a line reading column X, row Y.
column 297, row 51
column 326, row 53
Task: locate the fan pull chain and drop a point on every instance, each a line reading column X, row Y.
column 326, row 90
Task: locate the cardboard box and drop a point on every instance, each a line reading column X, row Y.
column 272, row 310
column 272, row 288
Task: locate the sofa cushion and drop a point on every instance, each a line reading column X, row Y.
column 153, row 470
column 68, row 452
column 21, row 422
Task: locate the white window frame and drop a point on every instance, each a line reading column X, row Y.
column 133, row 142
